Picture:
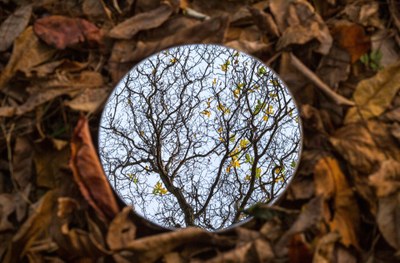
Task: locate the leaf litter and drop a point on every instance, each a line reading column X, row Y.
column 58, row 62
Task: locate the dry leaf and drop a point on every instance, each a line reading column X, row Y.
column 14, row 25
column 299, row 249
column 89, row 100
column 325, row 247
column 365, row 146
column 331, row 184
column 66, row 205
column 89, row 174
column 210, row 31
column 387, row 183
column 7, row 206
column 264, row 21
column 62, row 31
column 142, row 21
column 32, row 228
column 149, row 249
column 257, row 251
column 28, row 52
column 334, row 67
column 352, row 38
column 387, row 179
column 22, row 162
column 310, row 216
column 374, row 95
column 121, row 230
column 299, row 24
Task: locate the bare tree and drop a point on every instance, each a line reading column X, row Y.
column 195, row 134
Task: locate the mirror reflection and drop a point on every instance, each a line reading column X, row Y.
column 195, row 134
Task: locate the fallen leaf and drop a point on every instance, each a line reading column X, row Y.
column 31, row 229
column 374, row 95
column 310, row 216
column 7, row 206
column 258, row 250
column 264, row 21
column 48, row 164
column 14, row 25
column 62, row 31
column 331, row 184
column 250, row 47
column 89, row 100
column 209, row 31
column 385, row 44
column 365, row 145
column 28, row 52
column 387, row 183
column 334, row 67
column 88, row 173
column 142, row 21
column 66, row 205
column 352, row 38
column 121, row 230
column 387, row 179
column 151, row 248
column 299, row 23
column 299, row 249
column 324, row 251
column 22, row 162
column 94, row 9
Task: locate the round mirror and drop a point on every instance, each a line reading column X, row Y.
column 195, row 134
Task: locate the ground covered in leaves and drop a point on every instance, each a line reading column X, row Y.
column 59, row 60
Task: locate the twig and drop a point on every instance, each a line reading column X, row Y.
column 319, row 83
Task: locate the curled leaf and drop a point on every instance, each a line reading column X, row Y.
column 62, row 31
column 142, row 21
column 88, row 173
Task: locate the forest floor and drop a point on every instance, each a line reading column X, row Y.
column 59, row 60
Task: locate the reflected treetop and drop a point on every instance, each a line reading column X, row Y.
column 195, row 134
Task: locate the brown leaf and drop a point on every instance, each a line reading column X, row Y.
column 210, row 31
column 299, row 249
column 387, row 179
column 28, row 52
column 387, row 183
column 38, row 221
column 62, row 31
column 66, row 205
column 7, row 206
column 334, row 67
column 121, row 230
column 264, row 21
column 325, row 247
column 331, row 184
column 22, row 162
column 365, row 146
column 89, row 174
column 374, row 95
column 89, row 100
column 310, row 216
column 142, row 21
column 14, row 25
column 149, row 249
column 258, row 250
column 299, row 24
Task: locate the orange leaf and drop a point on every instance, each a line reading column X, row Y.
column 352, row 38
column 88, row 173
column 331, row 184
